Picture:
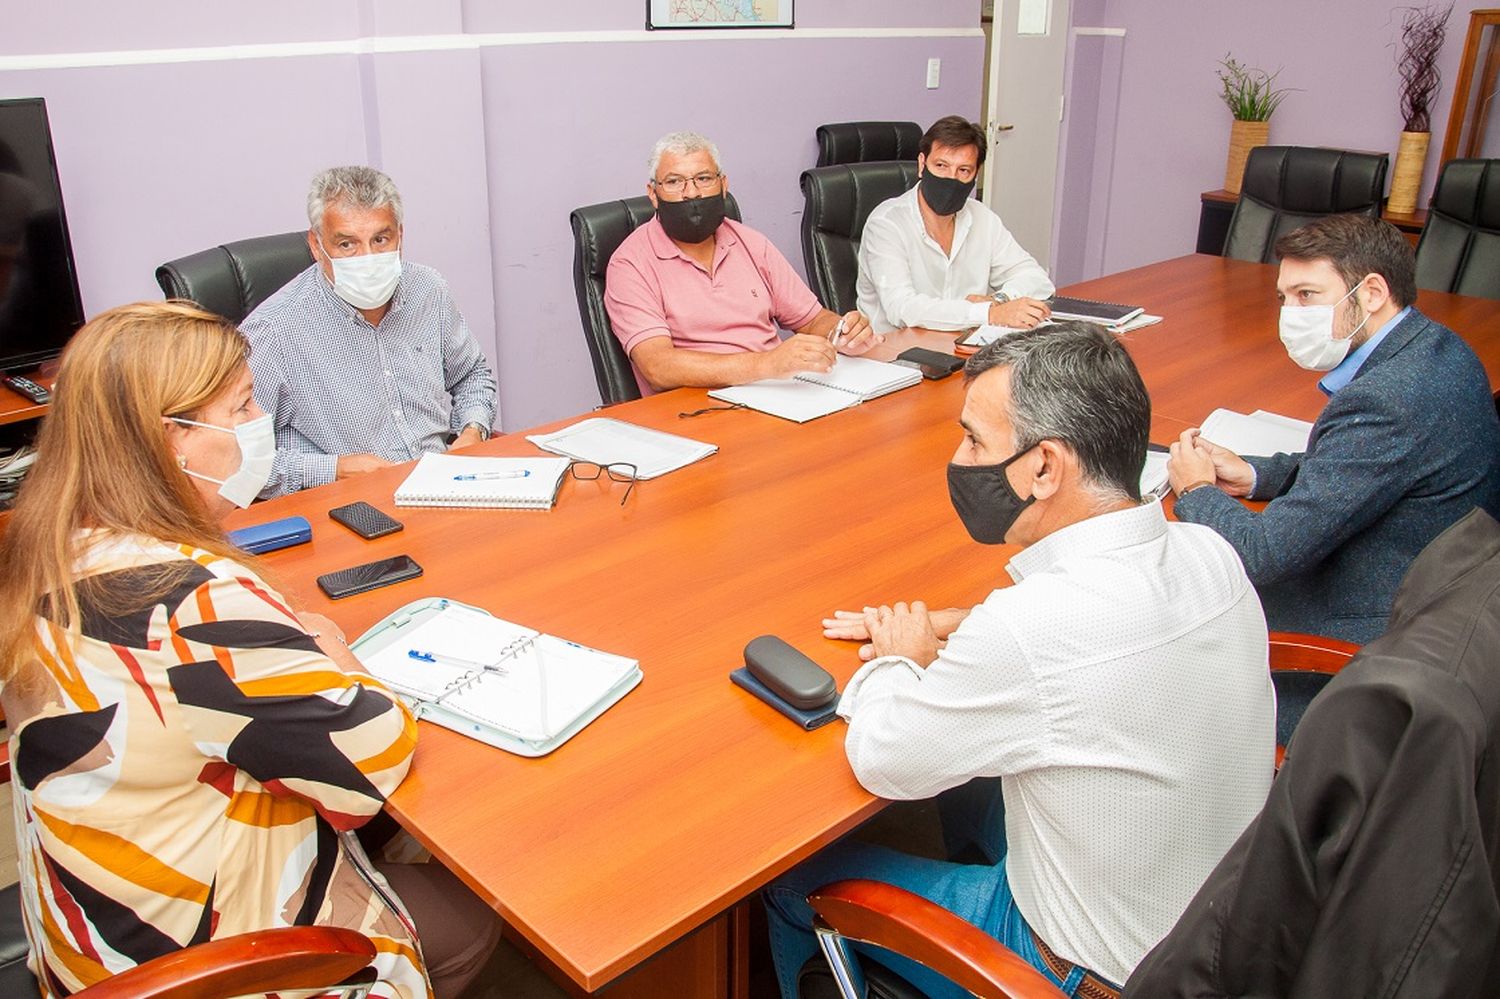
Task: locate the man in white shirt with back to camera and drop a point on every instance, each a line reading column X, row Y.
column 937, row 259
column 1119, row 689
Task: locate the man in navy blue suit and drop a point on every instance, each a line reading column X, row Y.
column 1407, row 444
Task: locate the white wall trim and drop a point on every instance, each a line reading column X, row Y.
column 1111, row 32
column 440, row 43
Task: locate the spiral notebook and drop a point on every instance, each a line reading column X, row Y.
column 812, row 394
column 461, row 480
column 501, row 683
column 1104, row 313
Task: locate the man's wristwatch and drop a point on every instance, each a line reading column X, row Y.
column 1000, row 297
column 484, row 431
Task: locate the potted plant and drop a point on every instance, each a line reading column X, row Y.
column 1422, row 31
column 1252, row 97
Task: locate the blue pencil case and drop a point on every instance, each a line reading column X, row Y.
column 257, row 539
column 815, row 718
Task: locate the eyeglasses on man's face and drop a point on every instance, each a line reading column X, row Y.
column 619, row 471
column 675, row 185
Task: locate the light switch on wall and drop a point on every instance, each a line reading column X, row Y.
column 934, row 69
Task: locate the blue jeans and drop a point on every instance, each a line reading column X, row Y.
column 977, row 893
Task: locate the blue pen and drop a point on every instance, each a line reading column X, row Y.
column 486, row 476
column 434, row 657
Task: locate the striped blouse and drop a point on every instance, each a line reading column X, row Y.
column 191, row 771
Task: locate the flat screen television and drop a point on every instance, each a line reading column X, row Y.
column 39, row 302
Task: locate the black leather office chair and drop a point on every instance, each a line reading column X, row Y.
column 864, row 141
column 1460, row 247
column 234, row 278
column 598, row 231
column 15, row 976
column 1289, row 186
column 839, row 201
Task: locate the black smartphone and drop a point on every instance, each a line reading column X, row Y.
column 364, row 520
column 933, row 364
column 370, row 576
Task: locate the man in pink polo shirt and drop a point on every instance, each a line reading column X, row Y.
column 696, row 299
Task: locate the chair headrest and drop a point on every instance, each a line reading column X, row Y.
column 840, row 198
column 864, row 141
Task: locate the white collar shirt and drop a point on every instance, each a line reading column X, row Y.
column 905, row 278
column 1121, row 691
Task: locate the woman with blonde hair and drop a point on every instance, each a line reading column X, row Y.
column 189, row 753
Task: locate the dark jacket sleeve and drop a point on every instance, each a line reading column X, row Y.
column 1273, row 474
column 1361, row 876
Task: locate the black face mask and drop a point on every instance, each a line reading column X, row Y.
column 944, row 195
column 984, row 500
column 693, row 220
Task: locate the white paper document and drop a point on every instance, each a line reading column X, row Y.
column 1154, row 475
column 606, row 441
column 1260, row 433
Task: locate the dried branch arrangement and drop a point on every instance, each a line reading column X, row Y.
column 1422, row 31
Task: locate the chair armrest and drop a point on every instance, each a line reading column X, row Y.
column 1292, row 650
column 276, row 960
column 886, row 916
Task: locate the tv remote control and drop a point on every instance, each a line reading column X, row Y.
column 28, row 388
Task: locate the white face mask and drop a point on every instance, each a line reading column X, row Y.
column 1307, row 334
column 257, row 440
column 367, row 281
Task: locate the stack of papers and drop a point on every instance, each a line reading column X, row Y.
column 812, row 394
column 1261, row 434
column 986, row 335
column 604, row 441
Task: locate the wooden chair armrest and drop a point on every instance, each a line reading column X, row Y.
column 1310, row 653
column 876, row 913
column 275, row 960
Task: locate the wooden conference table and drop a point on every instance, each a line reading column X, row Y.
column 681, row 801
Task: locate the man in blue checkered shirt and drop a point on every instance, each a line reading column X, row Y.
column 363, row 359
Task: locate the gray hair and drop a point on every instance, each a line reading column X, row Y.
column 1074, row 383
column 357, row 186
column 681, row 144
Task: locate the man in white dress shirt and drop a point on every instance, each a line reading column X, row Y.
column 935, row 258
column 1119, row 689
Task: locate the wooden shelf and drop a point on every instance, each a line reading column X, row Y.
column 16, row 408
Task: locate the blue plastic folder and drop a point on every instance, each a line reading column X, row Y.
column 815, row 718
column 257, row 539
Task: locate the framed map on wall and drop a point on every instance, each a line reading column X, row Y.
column 719, row 14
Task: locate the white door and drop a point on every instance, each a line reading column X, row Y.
column 1028, row 47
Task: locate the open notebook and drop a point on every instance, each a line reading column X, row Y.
column 510, row 686
column 812, row 394
column 605, row 441
column 460, row 480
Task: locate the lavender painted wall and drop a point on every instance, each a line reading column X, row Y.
column 492, row 143
column 1172, row 131
column 140, row 191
